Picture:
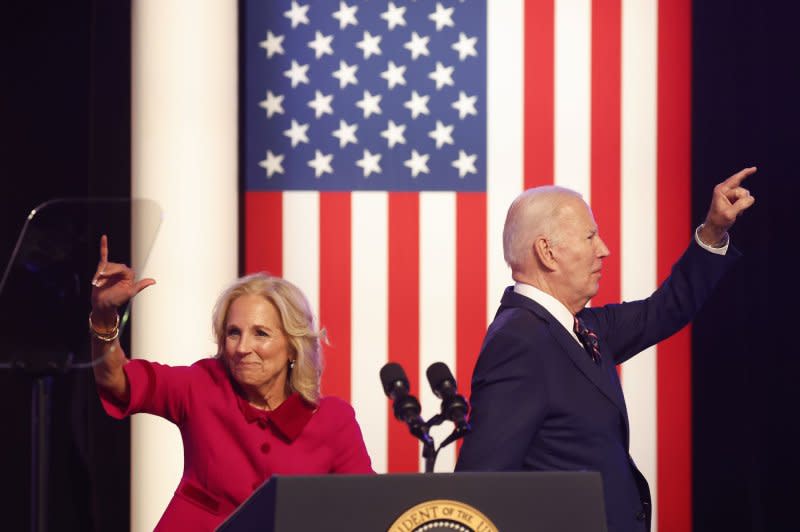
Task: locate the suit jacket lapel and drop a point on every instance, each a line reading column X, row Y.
column 597, row 374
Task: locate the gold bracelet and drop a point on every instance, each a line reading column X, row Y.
column 108, row 336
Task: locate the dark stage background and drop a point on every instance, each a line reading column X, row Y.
column 65, row 122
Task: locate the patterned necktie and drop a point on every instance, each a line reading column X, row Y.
column 588, row 338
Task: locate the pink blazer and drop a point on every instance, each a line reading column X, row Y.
column 229, row 447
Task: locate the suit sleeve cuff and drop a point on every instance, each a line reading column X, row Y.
column 721, row 250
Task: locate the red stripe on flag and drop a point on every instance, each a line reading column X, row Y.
column 539, row 92
column 471, row 271
column 605, row 150
column 263, row 232
column 335, row 242
column 674, row 228
column 403, row 309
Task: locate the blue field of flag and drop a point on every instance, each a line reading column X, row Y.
column 367, row 95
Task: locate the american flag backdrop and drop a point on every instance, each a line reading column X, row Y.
column 383, row 142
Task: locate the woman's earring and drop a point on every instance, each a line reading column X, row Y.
column 291, row 364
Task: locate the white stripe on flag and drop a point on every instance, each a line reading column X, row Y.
column 437, row 296
column 639, row 232
column 301, row 243
column 504, row 134
column 369, row 352
column 572, row 120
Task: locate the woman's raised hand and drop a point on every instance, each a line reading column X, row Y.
column 114, row 284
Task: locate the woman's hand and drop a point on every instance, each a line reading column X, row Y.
column 113, row 285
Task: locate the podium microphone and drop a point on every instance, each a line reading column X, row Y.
column 406, row 407
column 454, row 406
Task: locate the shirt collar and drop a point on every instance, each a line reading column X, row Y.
column 290, row 418
column 552, row 305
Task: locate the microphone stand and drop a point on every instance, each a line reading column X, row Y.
column 459, row 432
column 429, row 450
column 429, row 453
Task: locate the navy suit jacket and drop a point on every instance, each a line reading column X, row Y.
column 539, row 402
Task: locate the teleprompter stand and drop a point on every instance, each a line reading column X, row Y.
column 44, row 303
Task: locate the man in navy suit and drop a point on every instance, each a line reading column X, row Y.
column 545, row 391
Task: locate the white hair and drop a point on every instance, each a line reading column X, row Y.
column 534, row 213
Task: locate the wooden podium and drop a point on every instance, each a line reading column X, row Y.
column 467, row 502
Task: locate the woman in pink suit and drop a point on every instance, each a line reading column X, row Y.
column 252, row 411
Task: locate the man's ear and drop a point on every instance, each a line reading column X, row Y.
column 543, row 251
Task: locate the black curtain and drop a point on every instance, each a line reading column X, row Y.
column 65, row 123
column 746, row 360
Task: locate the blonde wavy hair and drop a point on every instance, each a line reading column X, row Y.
column 304, row 337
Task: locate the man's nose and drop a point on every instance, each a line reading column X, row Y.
column 602, row 250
